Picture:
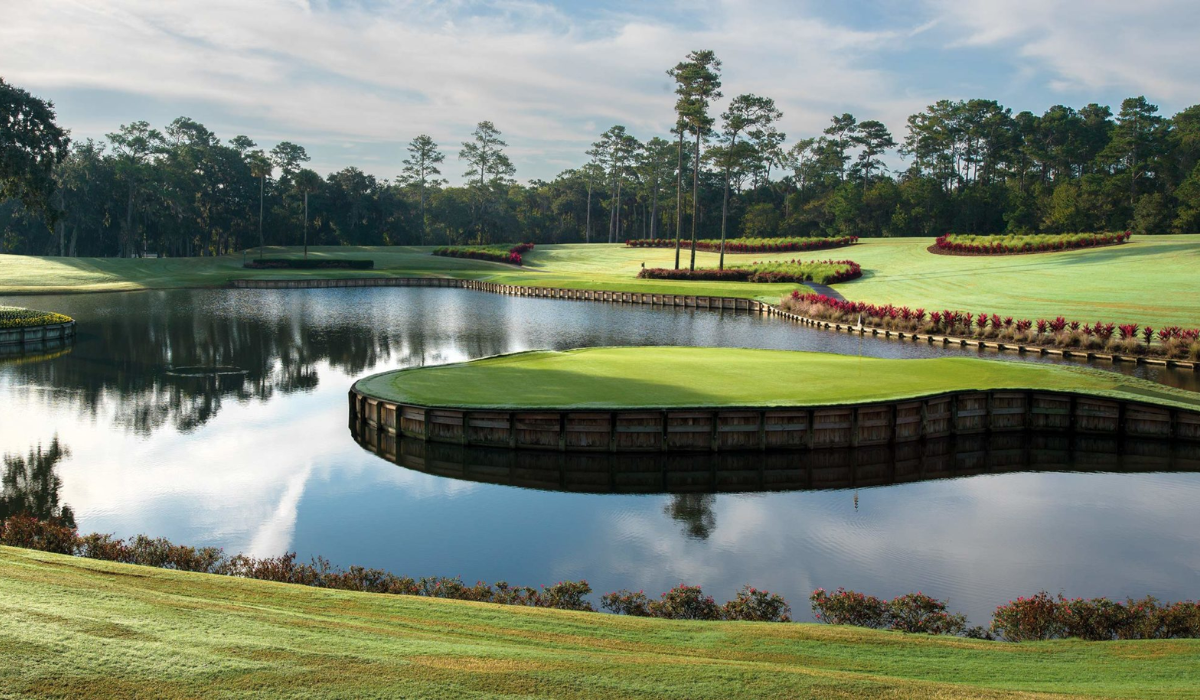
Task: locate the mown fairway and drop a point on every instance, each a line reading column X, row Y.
column 1152, row 279
column 80, row 628
column 681, row 376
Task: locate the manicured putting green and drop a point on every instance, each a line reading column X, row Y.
column 672, row 377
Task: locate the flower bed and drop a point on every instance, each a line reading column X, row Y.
column 16, row 317
column 749, row 245
column 971, row 244
column 819, row 271
column 1172, row 342
column 500, row 254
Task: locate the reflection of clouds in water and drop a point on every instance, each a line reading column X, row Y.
column 236, row 482
column 275, row 468
column 978, row 541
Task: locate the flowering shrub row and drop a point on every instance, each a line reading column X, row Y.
column 1037, row 617
column 1126, row 339
column 971, row 244
column 309, row 264
column 749, row 245
column 690, row 603
column 16, row 317
column 820, row 271
column 1042, row 616
column 682, row 603
column 511, row 255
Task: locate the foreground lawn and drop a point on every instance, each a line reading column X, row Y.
column 1151, row 280
column 80, row 628
column 683, row 376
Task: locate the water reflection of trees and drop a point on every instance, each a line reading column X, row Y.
column 123, row 359
column 30, row 484
column 695, row 512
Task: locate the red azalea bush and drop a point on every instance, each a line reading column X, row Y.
column 511, row 255
column 1127, row 339
column 912, row 612
column 749, row 245
column 664, row 273
column 971, row 244
column 843, row 607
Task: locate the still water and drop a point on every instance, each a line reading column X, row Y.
column 219, row 418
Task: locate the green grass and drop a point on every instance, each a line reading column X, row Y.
column 81, row 628
column 666, row 377
column 1151, row 279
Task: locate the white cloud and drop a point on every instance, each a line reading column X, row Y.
column 1147, row 47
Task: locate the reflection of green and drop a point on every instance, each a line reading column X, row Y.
column 76, row 627
column 30, row 485
column 672, row 377
column 695, row 512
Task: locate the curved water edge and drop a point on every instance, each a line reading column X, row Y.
column 710, row 302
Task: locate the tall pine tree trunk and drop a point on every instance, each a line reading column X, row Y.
column 695, row 197
column 679, row 197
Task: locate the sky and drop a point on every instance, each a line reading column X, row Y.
column 354, row 81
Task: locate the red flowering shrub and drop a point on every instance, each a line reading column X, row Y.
column 820, row 271
column 625, row 602
column 1028, row 619
column 685, row 602
column 1173, row 341
column 843, row 607
column 757, row 605
column 918, row 613
column 566, row 595
column 662, row 273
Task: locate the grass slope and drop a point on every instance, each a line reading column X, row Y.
column 1149, row 280
column 80, row 628
column 684, row 376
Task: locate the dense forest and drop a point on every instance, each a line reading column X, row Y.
column 965, row 166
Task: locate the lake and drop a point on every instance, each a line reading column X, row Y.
column 218, row 417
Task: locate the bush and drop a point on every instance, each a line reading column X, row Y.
column 820, row 271
column 625, row 602
column 918, row 613
column 308, row 264
column 1125, row 339
column 16, row 317
column 750, row 245
column 843, row 607
column 685, row 602
column 502, row 254
column 1028, row 619
column 566, row 595
column 50, row 535
column 756, row 605
column 1009, row 244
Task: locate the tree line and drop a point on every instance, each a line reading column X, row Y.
column 965, row 166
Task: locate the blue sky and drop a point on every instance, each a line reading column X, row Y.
column 354, row 81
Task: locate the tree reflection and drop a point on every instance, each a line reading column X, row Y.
column 253, row 345
column 31, row 486
column 695, row 512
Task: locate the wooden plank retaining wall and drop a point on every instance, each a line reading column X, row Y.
column 801, row 428
column 705, row 302
column 35, row 335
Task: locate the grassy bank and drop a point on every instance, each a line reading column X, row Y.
column 81, row 628
column 1148, row 280
column 685, row 377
